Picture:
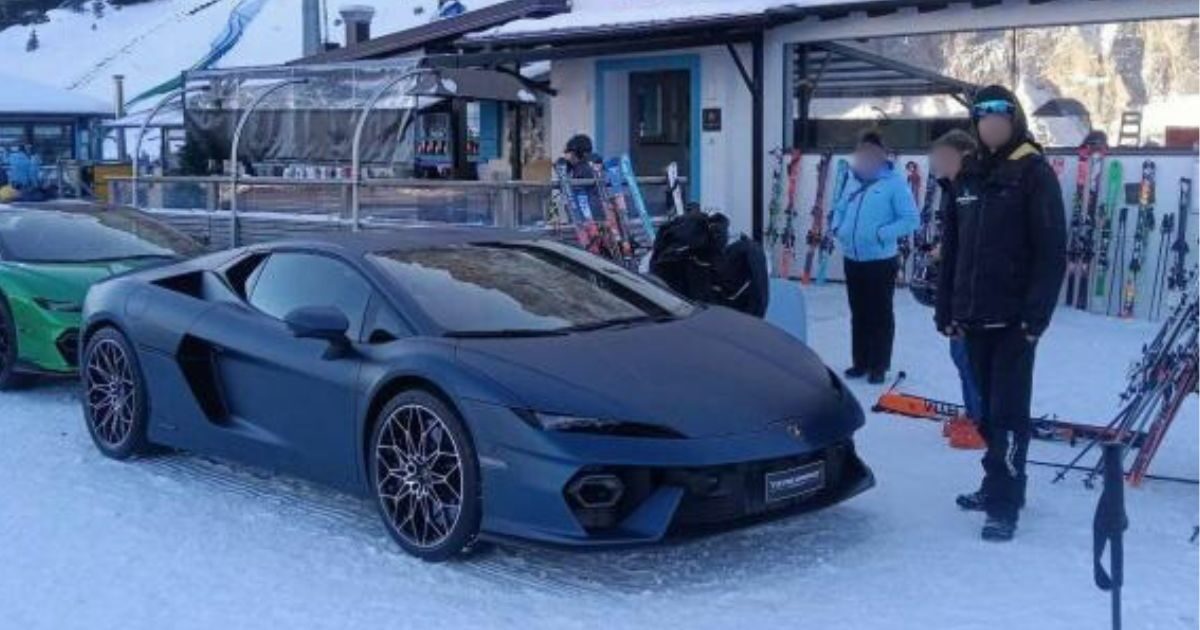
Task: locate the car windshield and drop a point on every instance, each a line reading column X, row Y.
column 35, row 236
column 525, row 289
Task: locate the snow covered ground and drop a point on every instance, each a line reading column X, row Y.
column 180, row 542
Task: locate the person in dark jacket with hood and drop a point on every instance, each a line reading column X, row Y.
column 1003, row 263
column 875, row 209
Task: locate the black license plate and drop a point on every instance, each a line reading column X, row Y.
column 794, row 482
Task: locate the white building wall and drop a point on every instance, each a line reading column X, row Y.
column 725, row 178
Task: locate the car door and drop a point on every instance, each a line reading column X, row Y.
column 289, row 405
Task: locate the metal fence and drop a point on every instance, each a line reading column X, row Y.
column 271, row 208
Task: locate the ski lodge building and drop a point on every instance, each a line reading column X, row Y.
column 713, row 86
column 59, row 125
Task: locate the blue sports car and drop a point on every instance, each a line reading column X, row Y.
column 473, row 384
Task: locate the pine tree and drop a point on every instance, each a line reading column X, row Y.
column 32, row 43
column 98, row 9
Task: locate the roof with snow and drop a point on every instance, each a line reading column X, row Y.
column 616, row 16
column 22, row 96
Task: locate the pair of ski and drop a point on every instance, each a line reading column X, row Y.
column 895, row 402
column 1086, row 215
column 781, row 226
column 612, row 237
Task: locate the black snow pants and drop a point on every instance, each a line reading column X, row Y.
column 870, row 287
column 1002, row 359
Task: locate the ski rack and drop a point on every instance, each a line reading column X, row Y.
column 1157, row 384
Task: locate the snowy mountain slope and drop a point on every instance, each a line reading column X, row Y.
column 153, row 42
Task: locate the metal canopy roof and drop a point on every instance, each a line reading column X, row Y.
column 833, row 70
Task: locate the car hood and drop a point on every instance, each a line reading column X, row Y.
column 717, row 372
column 70, row 281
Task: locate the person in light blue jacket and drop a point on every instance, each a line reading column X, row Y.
column 876, row 209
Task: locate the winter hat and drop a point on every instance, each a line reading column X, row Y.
column 872, row 137
column 999, row 100
column 958, row 140
column 580, row 145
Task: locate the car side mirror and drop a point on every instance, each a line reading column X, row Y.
column 321, row 322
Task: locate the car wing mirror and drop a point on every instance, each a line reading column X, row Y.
column 321, row 322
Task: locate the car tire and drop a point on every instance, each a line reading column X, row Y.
column 421, row 458
column 114, row 395
column 10, row 379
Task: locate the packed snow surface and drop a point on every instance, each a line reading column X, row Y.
column 177, row 541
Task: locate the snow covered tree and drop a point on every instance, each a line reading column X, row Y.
column 32, row 43
column 98, row 9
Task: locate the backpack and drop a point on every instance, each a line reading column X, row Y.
column 691, row 256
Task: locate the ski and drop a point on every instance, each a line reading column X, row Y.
column 616, row 237
column 635, row 193
column 828, row 239
column 577, row 207
column 787, row 237
column 1166, row 227
column 1117, row 279
column 928, row 235
column 816, row 231
column 775, row 211
column 1075, row 241
column 912, row 172
column 1141, row 233
column 899, row 403
column 1177, row 279
column 1112, row 197
column 1096, row 158
column 673, row 187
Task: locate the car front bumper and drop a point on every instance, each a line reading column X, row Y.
column 47, row 342
column 536, row 484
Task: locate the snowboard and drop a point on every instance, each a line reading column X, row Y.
column 635, row 194
column 828, row 240
column 1112, row 195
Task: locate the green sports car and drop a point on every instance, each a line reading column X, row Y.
column 48, row 260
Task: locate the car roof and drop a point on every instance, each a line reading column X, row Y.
column 368, row 242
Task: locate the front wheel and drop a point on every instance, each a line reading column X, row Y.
column 114, row 395
column 425, row 476
column 9, row 377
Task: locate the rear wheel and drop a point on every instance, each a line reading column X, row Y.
column 425, row 476
column 114, row 396
column 9, row 378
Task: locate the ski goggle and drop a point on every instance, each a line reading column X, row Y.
column 986, row 108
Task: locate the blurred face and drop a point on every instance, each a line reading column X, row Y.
column 945, row 161
column 868, row 159
column 995, row 131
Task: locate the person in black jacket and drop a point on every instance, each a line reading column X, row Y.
column 1003, row 263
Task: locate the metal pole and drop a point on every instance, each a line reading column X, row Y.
column 233, row 152
column 355, row 159
column 137, row 147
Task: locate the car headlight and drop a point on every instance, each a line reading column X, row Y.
column 57, row 306
column 596, row 426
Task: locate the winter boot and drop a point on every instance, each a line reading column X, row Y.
column 855, row 372
column 997, row 529
column 877, row 377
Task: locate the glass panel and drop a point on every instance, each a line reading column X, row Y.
column 291, row 281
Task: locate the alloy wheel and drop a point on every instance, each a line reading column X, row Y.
column 419, row 475
column 111, row 394
column 5, row 344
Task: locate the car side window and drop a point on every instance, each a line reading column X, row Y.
column 287, row 281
